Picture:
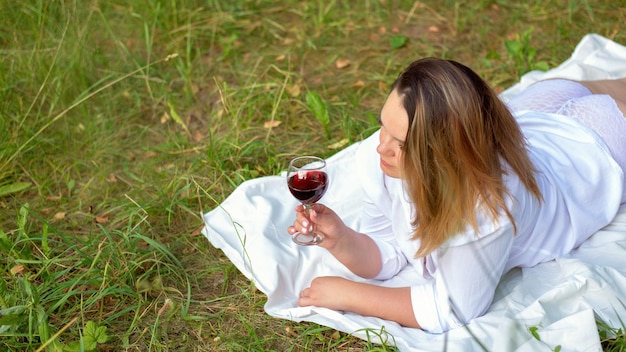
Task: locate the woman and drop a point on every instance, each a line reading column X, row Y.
column 465, row 188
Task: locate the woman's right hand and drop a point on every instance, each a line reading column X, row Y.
column 357, row 251
column 321, row 220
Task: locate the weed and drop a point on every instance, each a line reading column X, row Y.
column 523, row 54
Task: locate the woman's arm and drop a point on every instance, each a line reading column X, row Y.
column 390, row 303
column 462, row 281
column 358, row 253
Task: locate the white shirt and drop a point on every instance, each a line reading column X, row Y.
column 581, row 186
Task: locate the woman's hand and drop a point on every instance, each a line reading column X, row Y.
column 321, row 220
column 327, row 291
column 391, row 303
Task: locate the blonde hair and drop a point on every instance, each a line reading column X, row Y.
column 459, row 134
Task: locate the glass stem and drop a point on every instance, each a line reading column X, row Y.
column 307, row 210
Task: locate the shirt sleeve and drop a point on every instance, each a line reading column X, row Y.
column 378, row 227
column 463, row 279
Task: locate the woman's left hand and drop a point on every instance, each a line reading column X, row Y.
column 336, row 293
column 327, row 291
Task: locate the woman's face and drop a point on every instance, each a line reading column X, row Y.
column 394, row 123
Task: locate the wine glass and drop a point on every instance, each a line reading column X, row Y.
column 307, row 181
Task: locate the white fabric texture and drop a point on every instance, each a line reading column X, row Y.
column 561, row 298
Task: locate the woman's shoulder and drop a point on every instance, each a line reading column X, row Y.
column 487, row 229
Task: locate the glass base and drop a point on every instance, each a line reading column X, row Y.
column 307, row 240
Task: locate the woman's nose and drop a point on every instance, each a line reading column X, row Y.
column 384, row 147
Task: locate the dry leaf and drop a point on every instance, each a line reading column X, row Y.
column 281, row 57
column 290, row 331
column 112, row 178
column 19, row 268
column 339, row 144
column 167, row 305
column 288, row 41
column 102, row 218
column 60, row 215
column 382, row 30
column 358, row 84
column 294, row 90
column 53, row 198
column 197, row 231
column 271, row 124
column 165, row 117
column 197, row 136
column 433, row 29
column 342, row 63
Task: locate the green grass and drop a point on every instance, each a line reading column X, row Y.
column 121, row 121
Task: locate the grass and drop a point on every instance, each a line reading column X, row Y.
column 121, row 121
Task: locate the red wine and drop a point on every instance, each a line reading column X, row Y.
column 308, row 186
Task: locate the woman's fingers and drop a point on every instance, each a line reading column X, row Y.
column 308, row 220
column 302, row 225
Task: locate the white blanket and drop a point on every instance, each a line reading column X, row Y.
column 559, row 301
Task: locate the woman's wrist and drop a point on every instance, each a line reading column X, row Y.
column 359, row 253
column 341, row 243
